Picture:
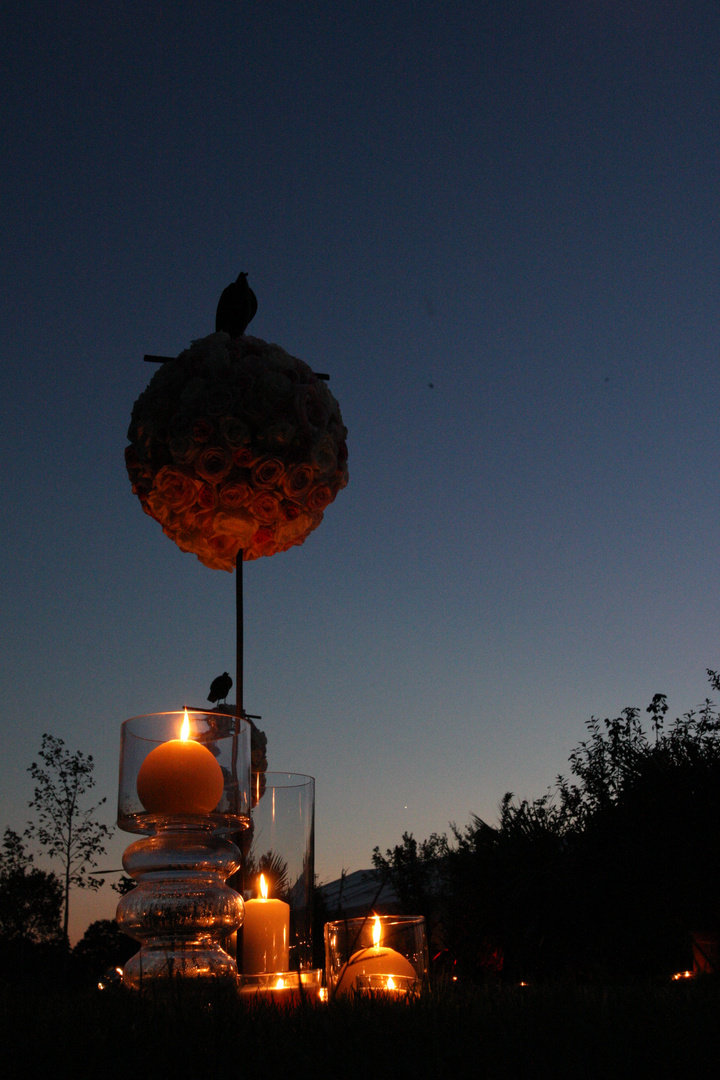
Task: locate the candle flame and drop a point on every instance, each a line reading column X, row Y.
column 263, row 887
column 185, row 728
column 390, row 983
column 280, row 984
column 377, row 933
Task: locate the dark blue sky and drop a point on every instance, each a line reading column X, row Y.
column 515, row 202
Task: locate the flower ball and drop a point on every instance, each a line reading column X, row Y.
column 236, row 446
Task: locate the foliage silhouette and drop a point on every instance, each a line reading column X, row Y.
column 65, row 829
column 103, row 946
column 275, row 869
column 32, row 945
column 603, row 877
column 30, row 899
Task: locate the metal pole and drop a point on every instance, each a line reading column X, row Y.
column 239, row 703
column 237, row 880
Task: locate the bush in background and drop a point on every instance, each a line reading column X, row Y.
column 602, row 878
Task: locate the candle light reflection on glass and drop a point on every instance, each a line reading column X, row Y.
column 287, row 988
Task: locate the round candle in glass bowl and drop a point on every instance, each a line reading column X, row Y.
column 189, row 793
column 180, row 776
column 201, row 782
column 375, row 960
column 376, row 948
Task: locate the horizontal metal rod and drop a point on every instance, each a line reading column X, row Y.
column 150, row 358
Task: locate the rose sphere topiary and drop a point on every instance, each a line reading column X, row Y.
column 236, row 446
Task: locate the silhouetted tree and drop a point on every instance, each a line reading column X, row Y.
column 103, row 946
column 32, row 945
column 123, row 884
column 416, row 874
column 603, row 877
column 65, row 829
column 30, row 899
column 646, row 816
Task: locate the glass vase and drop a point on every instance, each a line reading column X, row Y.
column 181, row 909
column 280, row 846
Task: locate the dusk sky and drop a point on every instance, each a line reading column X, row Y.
column 496, row 226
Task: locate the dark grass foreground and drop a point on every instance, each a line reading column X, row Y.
column 670, row 1031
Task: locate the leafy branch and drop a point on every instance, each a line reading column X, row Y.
column 66, row 829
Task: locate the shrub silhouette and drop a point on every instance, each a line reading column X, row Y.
column 604, row 877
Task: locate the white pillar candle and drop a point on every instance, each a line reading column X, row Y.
column 376, row 960
column 266, row 934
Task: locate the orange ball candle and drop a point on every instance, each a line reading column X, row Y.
column 180, row 777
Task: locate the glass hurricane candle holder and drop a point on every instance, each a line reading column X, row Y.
column 283, row 987
column 187, row 792
column 389, row 987
column 227, row 740
column 280, row 846
column 365, row 954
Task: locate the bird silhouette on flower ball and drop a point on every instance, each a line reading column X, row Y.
column 220, row 688
column 236, row 307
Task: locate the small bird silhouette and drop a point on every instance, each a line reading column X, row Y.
column 236, row 307
column 220, row 687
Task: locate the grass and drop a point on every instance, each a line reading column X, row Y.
column 494, row 1032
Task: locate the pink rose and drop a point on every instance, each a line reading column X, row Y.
column 265, row 506
column 245, row 457
column 219, row 399
column 140, row 476
column 239, row 524
column 267, row 472
column 320, row 497
column 173, row 489
column 202, row 429
column 236, row 433
column 225, row 547
column 293, row 530
column 263, row 543
column 310, row 409
column 324, row 455
column 289, row 511
column 213, row 463
column 206, row 497
column 298, row 480
column 183, row 449
column 254, row 408
column 233, row 494
column 277, row 436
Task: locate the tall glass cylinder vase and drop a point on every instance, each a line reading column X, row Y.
column 187, row 791
column 280, row 847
